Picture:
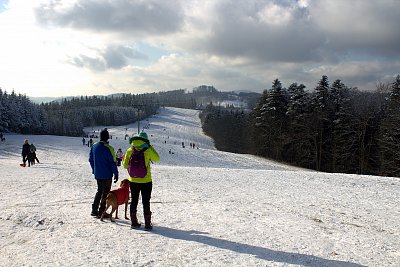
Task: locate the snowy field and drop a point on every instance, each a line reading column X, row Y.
column 210, row 208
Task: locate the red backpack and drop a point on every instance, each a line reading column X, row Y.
column 137, row 163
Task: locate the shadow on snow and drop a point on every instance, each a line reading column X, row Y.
column 259, row 252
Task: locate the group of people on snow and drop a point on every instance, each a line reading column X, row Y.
column 89, row 143
column 104, row 163
column 29, row 154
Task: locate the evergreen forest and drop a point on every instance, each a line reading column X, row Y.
column 68, row 116
column 332, row 128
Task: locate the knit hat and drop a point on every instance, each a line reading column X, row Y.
column 104, row 135
column 144, row 135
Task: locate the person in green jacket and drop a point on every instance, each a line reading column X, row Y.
column 143, row 185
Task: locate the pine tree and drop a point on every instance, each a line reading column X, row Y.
column 321, row 115
column 273, row 111
column 344, row 138
column 299, row 148
column 270, row 120
column 260, row 129
column 390, row 133
column 3, row 111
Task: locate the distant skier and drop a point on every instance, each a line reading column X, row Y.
column 83, row 141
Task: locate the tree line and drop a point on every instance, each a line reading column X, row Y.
column 18, row 114
column 332, row 128
column 69, row 116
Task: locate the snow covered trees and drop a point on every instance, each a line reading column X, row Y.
column 227, row 126
column 334, row 128
column 270, row 120
column 390, row 133
column 300, row 143
column 71, row 115
column 68, row 117
column 19, row 114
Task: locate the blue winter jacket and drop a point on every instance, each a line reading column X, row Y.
column 102, row 160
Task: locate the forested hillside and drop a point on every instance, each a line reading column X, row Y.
column 69, row 116
column 333, row 128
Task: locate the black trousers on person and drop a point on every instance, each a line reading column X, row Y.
column 144, row 189
column 103, row 188
column 24, row 158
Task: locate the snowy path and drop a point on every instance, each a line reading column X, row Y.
column 210, row 208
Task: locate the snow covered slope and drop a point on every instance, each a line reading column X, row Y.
column 210, row 208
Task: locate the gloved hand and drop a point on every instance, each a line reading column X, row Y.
column 115, row 178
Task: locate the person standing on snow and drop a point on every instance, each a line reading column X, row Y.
column 102, row 160
column 143, row 185
column 26, row 149
column 33, row 152
column 119, row 156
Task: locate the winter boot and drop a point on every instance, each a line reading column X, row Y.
column 95, row 212
column 134, row 221
column 147, row 222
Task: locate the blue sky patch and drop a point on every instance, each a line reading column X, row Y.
column 3, row 4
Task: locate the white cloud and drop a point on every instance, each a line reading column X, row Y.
column 302, row 3
column 77, row 47
column 275, row 14
column 359, row 25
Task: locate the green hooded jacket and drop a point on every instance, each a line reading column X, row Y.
column 150, row 155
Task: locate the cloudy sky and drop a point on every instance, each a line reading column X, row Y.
column 85, row 47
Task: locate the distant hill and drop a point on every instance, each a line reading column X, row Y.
column 39, row 100
column 203, row 95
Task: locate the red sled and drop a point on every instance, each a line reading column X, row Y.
column 22, row 165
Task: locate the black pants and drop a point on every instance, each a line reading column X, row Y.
column 24, row 158
column 145, row 190
column 103, row 188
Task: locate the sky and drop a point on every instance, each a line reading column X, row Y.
column 209, row 207
column 86, row 47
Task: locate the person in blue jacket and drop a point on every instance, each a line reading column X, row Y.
column 103, row 163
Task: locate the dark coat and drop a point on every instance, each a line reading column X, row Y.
column 26, row 148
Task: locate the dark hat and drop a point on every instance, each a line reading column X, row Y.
column 104, row 135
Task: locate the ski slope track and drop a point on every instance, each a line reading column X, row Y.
column 210, row 208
